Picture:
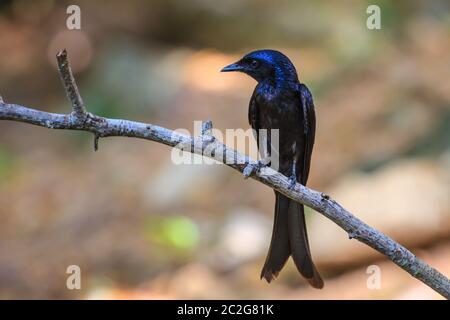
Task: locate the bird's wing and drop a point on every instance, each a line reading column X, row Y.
column 309, row 129
column 253, row 117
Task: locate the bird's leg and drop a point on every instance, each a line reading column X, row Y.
column 293, row 177
column 251, row 168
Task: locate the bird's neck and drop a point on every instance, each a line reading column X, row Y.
column 285, row 76
column 280, row 83
column 270, row 89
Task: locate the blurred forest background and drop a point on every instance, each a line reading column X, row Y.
column 141, row 227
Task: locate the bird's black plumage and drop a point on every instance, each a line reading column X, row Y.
column 281, row 102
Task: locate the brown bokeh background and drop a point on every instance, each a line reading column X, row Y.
column 141, row 227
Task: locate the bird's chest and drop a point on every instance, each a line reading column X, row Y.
column 279, row 110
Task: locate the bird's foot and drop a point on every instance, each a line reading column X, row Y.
column 252, row 168
column 292, row 182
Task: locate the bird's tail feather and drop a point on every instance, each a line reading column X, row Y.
column 289, row 237
column 279, row 250
column 298, row 238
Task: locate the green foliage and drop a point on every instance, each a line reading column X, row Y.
column 178, row 233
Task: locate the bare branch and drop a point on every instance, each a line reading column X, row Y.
column 207, row 128
column 96, row 138
column 210, row 147
column 70, row 85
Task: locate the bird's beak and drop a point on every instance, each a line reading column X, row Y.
column 232, row 67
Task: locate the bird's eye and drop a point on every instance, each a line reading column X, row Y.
column 254, row 64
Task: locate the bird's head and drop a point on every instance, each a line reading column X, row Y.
column 265, row 65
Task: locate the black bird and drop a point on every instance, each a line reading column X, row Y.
column 281, row 102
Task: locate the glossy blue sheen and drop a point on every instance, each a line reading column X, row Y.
column 284, row 71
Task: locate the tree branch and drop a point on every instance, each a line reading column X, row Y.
column 208, row 146
column 70, row 85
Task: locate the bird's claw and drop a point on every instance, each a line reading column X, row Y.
column 251, row 168
column 292, row 182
